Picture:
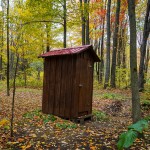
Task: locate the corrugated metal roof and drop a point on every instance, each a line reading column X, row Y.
column 70, row 51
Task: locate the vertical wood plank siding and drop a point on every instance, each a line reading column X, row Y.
column 68, row 85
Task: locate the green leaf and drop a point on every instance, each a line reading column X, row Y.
column 28, row 115
column 7, row 127
column 126, row 139
column 139, row 126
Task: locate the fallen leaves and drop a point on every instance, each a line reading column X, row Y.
column 35, row 130
column 4, row 122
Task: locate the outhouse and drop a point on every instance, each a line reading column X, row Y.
column 68, row 81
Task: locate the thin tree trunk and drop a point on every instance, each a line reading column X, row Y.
column 119, row 48
column 87, row 38
column 136, row 111
column 1, row 57
column 115, row 43
column 147, row 61
column 47, row 44
column 83, row 22
column 143, row 46
column 102, row 54
column 102, row 49
column 65, row 24
column 123, row 49
column 11, row 65
column 8, row 48
column 107, row 71
column 13, row 99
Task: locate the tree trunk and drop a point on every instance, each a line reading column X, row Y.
column 83, row 23
column 107, row 71
column 102, row 53
column 47, row 44
column 102, row 49
column 87, row 38
column 115, row 43
column 1, row 67
column 147, row 61
column 8, row 48
column 2, row 41
column 136, row 111
column 13, row 99
column 11, row 65
column 65, row 24
column 143, row 46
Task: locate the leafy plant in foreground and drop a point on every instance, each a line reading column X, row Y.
column 135, row 130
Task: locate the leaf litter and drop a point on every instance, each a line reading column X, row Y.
column 35, row 130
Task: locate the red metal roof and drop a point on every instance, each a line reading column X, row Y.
column 70, row 51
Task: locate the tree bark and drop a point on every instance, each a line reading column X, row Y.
column 136, row 111
column 2, row 44
column 1, row 58
column 107, row 71
column 115, row 43
column 47, row 44
column 83, row 22
column 102, row 53
column 147, row 61
column 146, row 32
column 13, row 99
column 8, row 88
column 87, row 38
column 65, row 24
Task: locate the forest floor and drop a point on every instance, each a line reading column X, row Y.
column 34, row 130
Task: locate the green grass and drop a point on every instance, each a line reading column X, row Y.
column 99, row 115
column 22, row 89
column 40, row 115
column 66, row 125
column 2, row 85
column 113, row 96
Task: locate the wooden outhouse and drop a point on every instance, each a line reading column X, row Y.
column 68, row 81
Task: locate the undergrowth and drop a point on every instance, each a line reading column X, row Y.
column 99, row 115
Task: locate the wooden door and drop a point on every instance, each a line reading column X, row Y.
column 85, row 86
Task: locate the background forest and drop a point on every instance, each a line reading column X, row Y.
column 118, row 30
column 30, row 28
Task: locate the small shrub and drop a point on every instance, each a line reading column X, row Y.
column 112, row 96
column 126, row 139
column 35, row 113
column 49, row 118
column 5, row 124
column 99, row 115
column 66, row 125
column 30, row 115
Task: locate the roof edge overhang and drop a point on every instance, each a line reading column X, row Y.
column 83, row 48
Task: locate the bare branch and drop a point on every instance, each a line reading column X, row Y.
column 38, row 21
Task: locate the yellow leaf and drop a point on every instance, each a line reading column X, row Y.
column 33, row 135
column 20, row 140
column 24, row 147
column 4, row 122
column 92, row 148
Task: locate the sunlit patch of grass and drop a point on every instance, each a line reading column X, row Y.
column 113, row 96
column 28, row 90
column 37, row 114
column 2, row 85
column 65, row 125
column 99, row 115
